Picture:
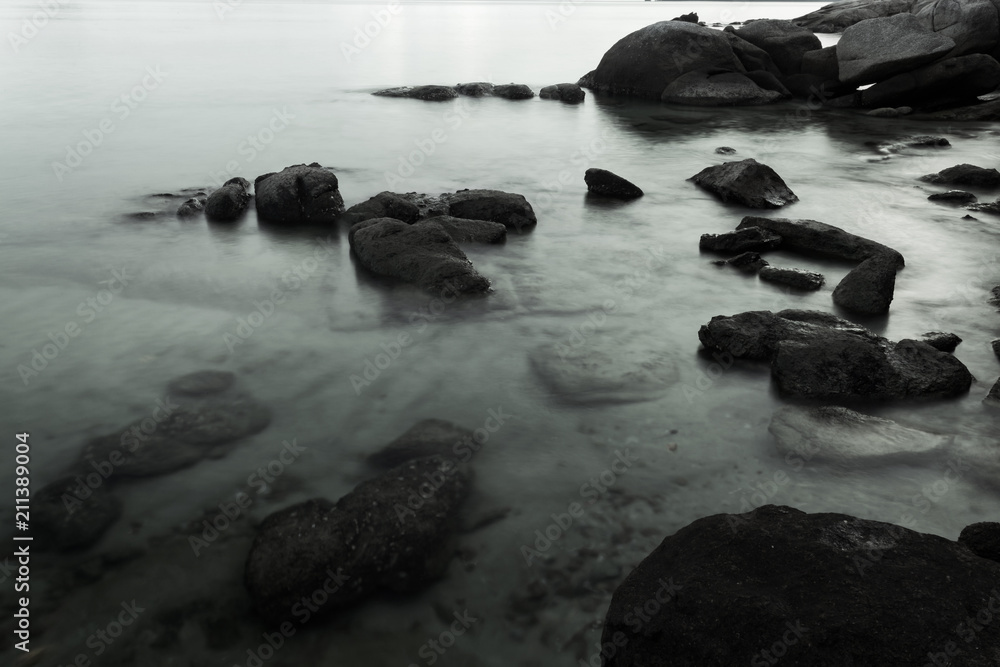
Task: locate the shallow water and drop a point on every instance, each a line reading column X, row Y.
column 701, row 447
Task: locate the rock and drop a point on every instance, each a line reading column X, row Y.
column 784, row 41
column 690, row 18
column 945, row 83
column 770, row 82
column 995, row 346
column 201, row 383
column 838, row 435
column 868, row 288
column 69, row 514
column 513, row 91
column 429, row 437
column 371, row 540
column 818, row 238
column 994, row 395
column 810, row 87
column 753, row 58
column 511, row 210
column 973, row 24
column 717, row 88
column 965, row 174
column 741, row 240
column 383, row 205
column 424, row 255
column 797, row 278
column 152, row 454
column 463, row 230
column 645, row 62
column 956, row 196
column 747, row 182
column 299, row 195
column 883, row 112
column 191, row 207
column 805, row 347
column 570, row 93
column 748, row 262
column 215, row 420
column 824, row 588
column 946, row 342
column 982, row 539
column 876, row 49
column 426, row 93
column 920, row 141
column 987, row 207
column 822, row 63
column 841, row 15
column 228, row 202
column 603, row 183
column 477, row 89
column 725, row 150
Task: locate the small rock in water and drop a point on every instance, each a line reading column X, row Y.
column 797, row 278
column 228, row 202
column 868, row 288
column 429, row 437
column 70, row 514
column 301, row 194
column 570, row 93
column 741, row 240
column 965, row 174
column 689, row 18
column 383, row 205
column 748, row 262
column 811, row 237
column 957, row 196
column 191, row 208
column 982, row 539
column 748, row 182
column 606, row 184
column 946, row 342
column 513, row 91
column 725, row 150
column 426, row 93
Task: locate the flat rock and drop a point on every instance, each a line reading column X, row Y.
column 955, row 196
column 228, row 202
column 603, row 183
column 797, row 278
column 741, row 240
column 965, row 174
column 427, row 93
column 747, row 182
column 302, row 194
column 64, row 517
column 747, row 262
column 570, row 93
column 876, row 49
column 811, row 237
column 383, row 205
column 428, row 437
column 868, row 288
column 464, row 230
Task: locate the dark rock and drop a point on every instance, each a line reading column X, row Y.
column 784, row 41
column 974, row 25
column 939, row 340
column 132, row 456
column 884, row 112
column 742, row 240
column 191, row 207
column 768, row 81
column 725, row 150
column 986, row 207
column 570, row 93
column 429, row 437
column 945, row 83
column 69, row 514
column 822, row 63
column 838, row 16
column 299, row 195
column 228, row 202
column 876, row 49
column 753, row 58
column 827, row 588
column 509, row 209
column 818, row 238
column 965, row 174
column 690, row 18
column 201, row 383
column 921, row 141
column 747, row 182
column 808, row 87
column 977, row 111
column 463, row 230
column 748, row 262
column 215, row 420
column 797, row 278
column 994, row 395
column 371, row 540
column 383, row 205
column 868, row 288
column 645, row 62
column 606, row 184
column 513, row 91
column 982, row 539
column 995, row 346
column 717, row 88
column 424, row 255
column 426, row 93
column 477, row 89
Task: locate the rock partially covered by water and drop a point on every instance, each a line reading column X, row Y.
column 70, row 514
column 939, row 340
column 395, row 532
column 710, row 87
column 951, row 82
column 816, row 589
column 747, row 262
column 424, row 255
column 741, row 240
column 797, row 278
column 509, row 209
column 953, row 196
column 429, row 437
column 819, row 355
column 965, row 174
column 876, row 49
column 303, row 194
column 201, row 383
column 784, row 41
column 818, row 238
column 426, row 93
column 513, row 91
column 215, row 420
column 142, row 455
column 191, row 207
column 570, row 93
column 747, row 182
column 475, row 89
column 383, row 205
column 606, row 184
column 982, row 539
column 228, row 202
column 868, row 288
column 463, row 230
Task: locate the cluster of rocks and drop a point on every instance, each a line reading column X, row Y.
column 966, row 175
column 203, row 415
column 570, row 93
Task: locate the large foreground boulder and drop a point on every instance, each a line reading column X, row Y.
column 394, row 532
column 747, row 182
column 808, row 589
column 423, row 254
column 876, row 49
column 818, row 355
column 784, row 41
column 818, row 238
column 228, row 202
column 945, row 83
column 710, row 87
column 303, row 194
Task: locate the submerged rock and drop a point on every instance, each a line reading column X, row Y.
column 606, row 184
column 748, row 262
column 215, row 420
column 965, row 174
column 428, row 437
column 956, row 196
column 868, row 288
column 741, row 240
column 939, row 340
column 388, row 534
column 70, row 514
column 132, row 456
column 818, row 238
column 876, row 49
column 201, row 383
column 747, row 182
column 427, row 93
column 513, row 91
column 986, row 207
column 570, row 93
column 824, row 588
column 797, row 278
column 383, row 205
column 303, row 194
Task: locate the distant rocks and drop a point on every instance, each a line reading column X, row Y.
column 513, row 91
column 747, row 182
column 228, row 202
column 868, row 288
column 302, row 194
column 965, row 174
column 425, row 93
column 477, row 89
column 570, row 93
column 603, row 183
column 741, row 240
column 797, row 278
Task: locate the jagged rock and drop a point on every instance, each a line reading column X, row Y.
column 228, row 202
column 741, row 240
column 606, row 184
column 965, row 174
column 747, row 182
column 818, row 238
column 876, row 49
column 797, row 278
column 428, row 437
column 302, row 194
column 868, row 288
column 717, row 88
column 570, row 93
column 426, row 93
column 383, row 205
column 939, row 340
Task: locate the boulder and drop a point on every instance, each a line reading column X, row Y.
column 769, row 82
column 228, row 202
column 511, row 210
column 747, row 182
column 741, row 240
column 974, row 25
column 570, row 93
column 965, row 174
column 784, row 41
column 463, row 230
column 429, row 437
column 797, row 278
column 603, row 183
column 838, row 16
column 69, row 514
column 818, row 238
column 383, row 205
column 645, row 62
column 953, row 196
column 814, row 589
column 982, row 539
column 945, row 83
column 191, row 207
column 709, row 87
column 994, row 396
column 426, row 93
column 747, row 262
column 692, row 17
column 822, row 63
column 476, row 89
column 424, row 255
column 868, row 288
column 382, row 536
column 214, row 419
column 876, row 49
column 939, row 340
column 302, row 194
column 753, row 58
column 513, row 91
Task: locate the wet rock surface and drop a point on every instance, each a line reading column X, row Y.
column 784, row 41
column 603, row 183
column 429, row 437
column 811, row 237
column 70, row 514
column 965, row 174
column 228, row 202
column 710, row 87
column 741, row 240
column 939, row 340
column 383, row 205
column 513, row 91
column 875, row 49
column 747, row 182
column 953, row 196
column 797, row 278
column 302, row 194
column 747, row 262
column 868, row 288
column 463, row 230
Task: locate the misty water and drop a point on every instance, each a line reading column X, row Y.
column 165, row 96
